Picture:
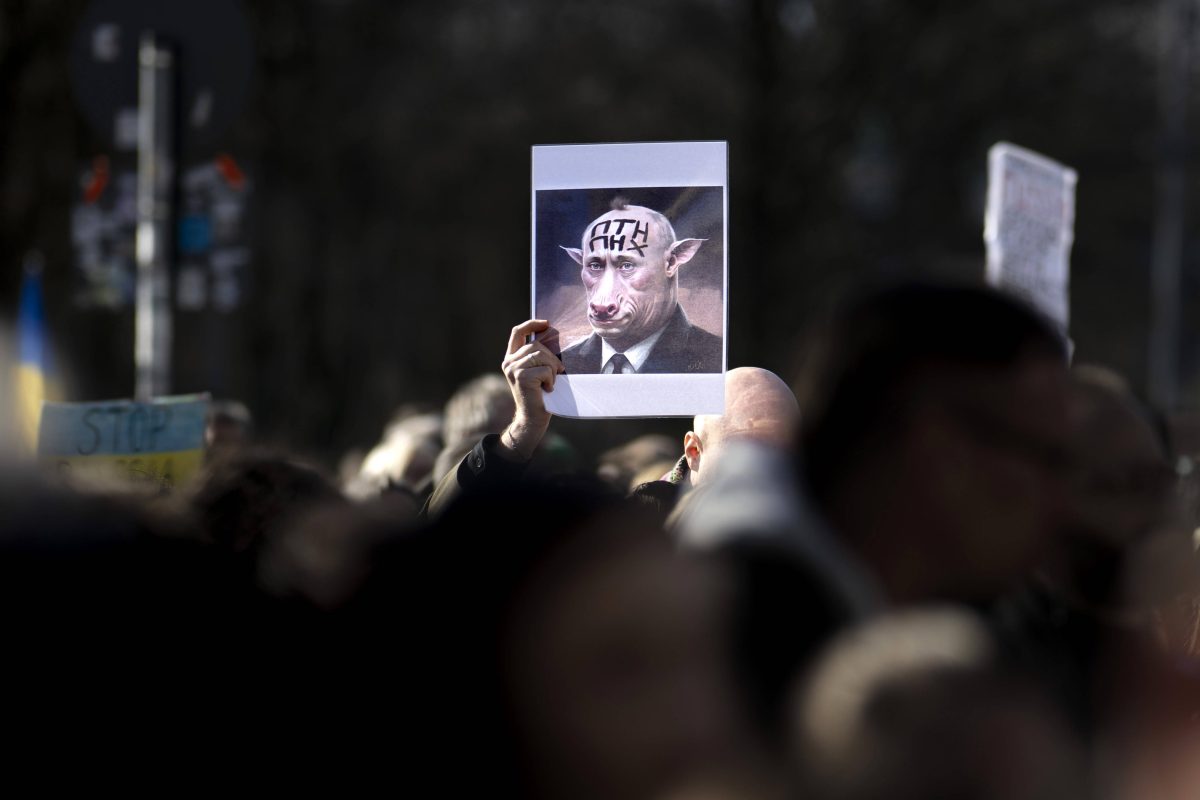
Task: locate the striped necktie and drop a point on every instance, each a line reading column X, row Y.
column 620, row 365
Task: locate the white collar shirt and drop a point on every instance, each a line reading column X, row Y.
column 637, row 354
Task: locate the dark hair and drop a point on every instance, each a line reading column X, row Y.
column 245, row 497
column 658, row 498
column 449, row 592
column 863, row 358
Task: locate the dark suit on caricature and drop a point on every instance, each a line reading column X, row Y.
column 682, row 348
column 629, row 262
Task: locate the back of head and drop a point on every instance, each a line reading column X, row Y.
column 405, row 458
column 1124, row 542
column 621, row 465
column 865, row 364
column 94, row 591
column 247, row 497
column 758, row 405
column 913, row 705
column 230, row 426
column 453, row 592
column 1111, row 425
column 483, row 405
column 73, row 561
column 1125, row 479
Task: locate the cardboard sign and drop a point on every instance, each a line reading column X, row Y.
column 1029, row 228
column 159, row 443
column 630, row 266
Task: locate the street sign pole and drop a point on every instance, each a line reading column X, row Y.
column 155, row 214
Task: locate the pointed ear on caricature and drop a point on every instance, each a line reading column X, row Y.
column 681, row 252
column 575, row 253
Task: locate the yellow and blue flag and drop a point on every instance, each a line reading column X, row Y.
column 33, row 368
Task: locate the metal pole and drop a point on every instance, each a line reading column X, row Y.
column 1178, row 26
column 155, row 201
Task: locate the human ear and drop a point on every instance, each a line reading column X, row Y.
column 693, row 447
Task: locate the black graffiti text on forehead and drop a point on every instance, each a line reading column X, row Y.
column 622, row 238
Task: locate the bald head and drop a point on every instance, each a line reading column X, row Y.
column 758, row 405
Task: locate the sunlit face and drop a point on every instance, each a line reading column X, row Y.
column 628, row 273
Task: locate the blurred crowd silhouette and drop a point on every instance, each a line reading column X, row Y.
column 939, row 563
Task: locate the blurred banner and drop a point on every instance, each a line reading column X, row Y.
column 1029, row 228
column 157, row 444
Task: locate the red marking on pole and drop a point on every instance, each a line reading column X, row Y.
column 230, row 171
column 97, row 181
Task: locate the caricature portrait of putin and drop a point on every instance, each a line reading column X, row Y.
column 629, row 260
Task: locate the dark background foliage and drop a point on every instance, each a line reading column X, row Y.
column 389, row 146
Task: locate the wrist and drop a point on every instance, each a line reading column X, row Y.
column 521, row 438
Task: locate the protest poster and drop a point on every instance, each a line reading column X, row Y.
column 157, row 444
column 1029, row 227
column 630, row 266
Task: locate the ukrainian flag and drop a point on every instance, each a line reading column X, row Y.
column 32, row 372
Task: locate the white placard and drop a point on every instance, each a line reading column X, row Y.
column 630, row 257
column 1029, row 228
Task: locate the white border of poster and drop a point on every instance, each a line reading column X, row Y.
column 629, row 166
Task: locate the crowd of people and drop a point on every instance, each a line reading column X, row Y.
column 940, row 563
